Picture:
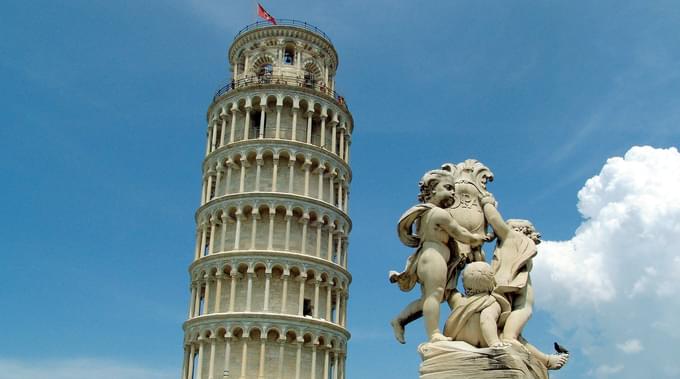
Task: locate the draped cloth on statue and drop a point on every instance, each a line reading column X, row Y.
column 475, row 304
column 511, row 263
column 408, row 278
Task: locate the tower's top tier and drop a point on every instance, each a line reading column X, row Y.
column 291, row 49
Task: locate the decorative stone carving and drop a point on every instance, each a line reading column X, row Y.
column 482, row 335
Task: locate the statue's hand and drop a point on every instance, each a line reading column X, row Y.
column 488, row 199
column 489, row 237
column 464, row 258
column 477, row 239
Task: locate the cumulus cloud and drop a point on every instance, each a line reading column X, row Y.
column 616, row 278
column 79, row 369
column 631, row 346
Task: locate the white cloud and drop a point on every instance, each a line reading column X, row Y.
column 631, row 346
column 83, row 368
column 606, row 370
column 616, row 278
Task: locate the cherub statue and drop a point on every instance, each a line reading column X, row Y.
column 476, row 316
column 512, row 262
column 436, row 231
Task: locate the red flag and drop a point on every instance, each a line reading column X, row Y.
column 264, row 14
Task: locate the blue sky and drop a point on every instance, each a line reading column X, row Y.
column 103, row 123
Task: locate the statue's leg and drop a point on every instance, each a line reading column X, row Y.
column 522, row 307
column 478, row 254
column 432, row 274
column 551, row 361
column 411, row 312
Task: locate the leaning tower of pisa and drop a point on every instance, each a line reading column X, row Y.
column 269, row 279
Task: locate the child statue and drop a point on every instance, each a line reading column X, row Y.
column 434, row 240
column 476, row 316
column 512, row 263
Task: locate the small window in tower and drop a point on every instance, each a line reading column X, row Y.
column 307, row 307
column 289, row 55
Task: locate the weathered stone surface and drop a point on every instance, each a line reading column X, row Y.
column 457, row 359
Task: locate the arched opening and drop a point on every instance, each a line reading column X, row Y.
column 289, row 55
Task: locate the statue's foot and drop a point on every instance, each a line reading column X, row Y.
column 557, row 361
column 436, row 337
column 398, row 330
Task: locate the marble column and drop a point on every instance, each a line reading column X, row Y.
column 301, row 299
column 282, row 355
column 227, row 355
column 275, row 172
column 223, row 237
column 219, row 276
column 211, row 367
column 272, row 220
column 277, row 134
column 237, row 234
column 284, row 293
column 192, row 354
column 206, row 297
column 223, row 133
column 315, row 312
column 263, row 116
column 199, row 369
column 246, row 123
column 244, row 358
column 259, row 162
column 267, row 281
column 249, row 291
column 263, row 353
column 289, row 216
column 309, row 126
column 255, row 216
column 232, row 289
column 320, row 171
column 234, row 111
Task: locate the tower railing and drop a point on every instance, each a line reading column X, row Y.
column 283, row 22
column 290, row 80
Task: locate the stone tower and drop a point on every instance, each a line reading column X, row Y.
column 269, row 279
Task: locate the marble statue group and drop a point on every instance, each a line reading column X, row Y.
column 456, row 215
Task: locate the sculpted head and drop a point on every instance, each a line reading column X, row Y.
column 437, row 187
column 478, row 278
column 525, row 227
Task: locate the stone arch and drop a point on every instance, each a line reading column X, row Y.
column 261, row 60
column 312, row 67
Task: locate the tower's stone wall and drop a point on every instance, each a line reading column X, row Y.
column 269, row 280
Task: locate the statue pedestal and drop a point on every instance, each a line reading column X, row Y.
column 457, row 359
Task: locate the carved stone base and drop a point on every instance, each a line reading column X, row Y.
column 456, row 359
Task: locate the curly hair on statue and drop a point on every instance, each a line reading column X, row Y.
column 478, row 278
column 429, row 181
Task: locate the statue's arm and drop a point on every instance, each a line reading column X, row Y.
column 454, row 299
column 458, row 232
column 488, row 321
column 494, row 218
